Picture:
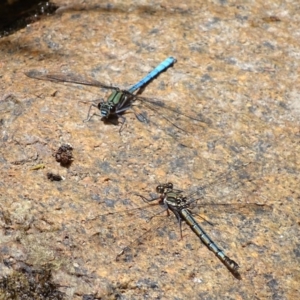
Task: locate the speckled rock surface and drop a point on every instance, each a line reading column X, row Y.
column 237, row 70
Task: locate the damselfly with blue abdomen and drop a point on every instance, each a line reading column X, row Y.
column 122, row 100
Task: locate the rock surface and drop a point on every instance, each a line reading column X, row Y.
column 237, row 71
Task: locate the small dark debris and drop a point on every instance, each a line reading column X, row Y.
column 64, row 155
column 54, row 177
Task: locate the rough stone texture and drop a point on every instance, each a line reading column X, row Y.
column 237, row 69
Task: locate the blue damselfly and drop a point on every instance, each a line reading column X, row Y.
column 122, row 100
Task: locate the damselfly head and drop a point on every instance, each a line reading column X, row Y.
column 161, row 188
column 104, row 109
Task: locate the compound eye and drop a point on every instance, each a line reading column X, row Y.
column 169, row 185
column 160, row 189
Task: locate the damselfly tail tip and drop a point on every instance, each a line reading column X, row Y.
column 231, row 265
column 173, row 58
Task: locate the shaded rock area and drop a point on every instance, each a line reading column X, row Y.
column 86, row 236
column 27, row 283
column 15, row 15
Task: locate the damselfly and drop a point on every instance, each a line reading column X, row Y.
column 122, row 100
column 115, row 228
column 175, row 201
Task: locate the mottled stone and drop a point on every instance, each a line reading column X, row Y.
column 237, row 71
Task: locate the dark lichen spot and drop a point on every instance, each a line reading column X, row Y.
column 29, row 283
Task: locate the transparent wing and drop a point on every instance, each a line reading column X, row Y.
column 160, row 230
column 173, row 119
column 215, row 213
column 229, row 193
column 129, row 232
column 71, row 78
column 238, row 178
